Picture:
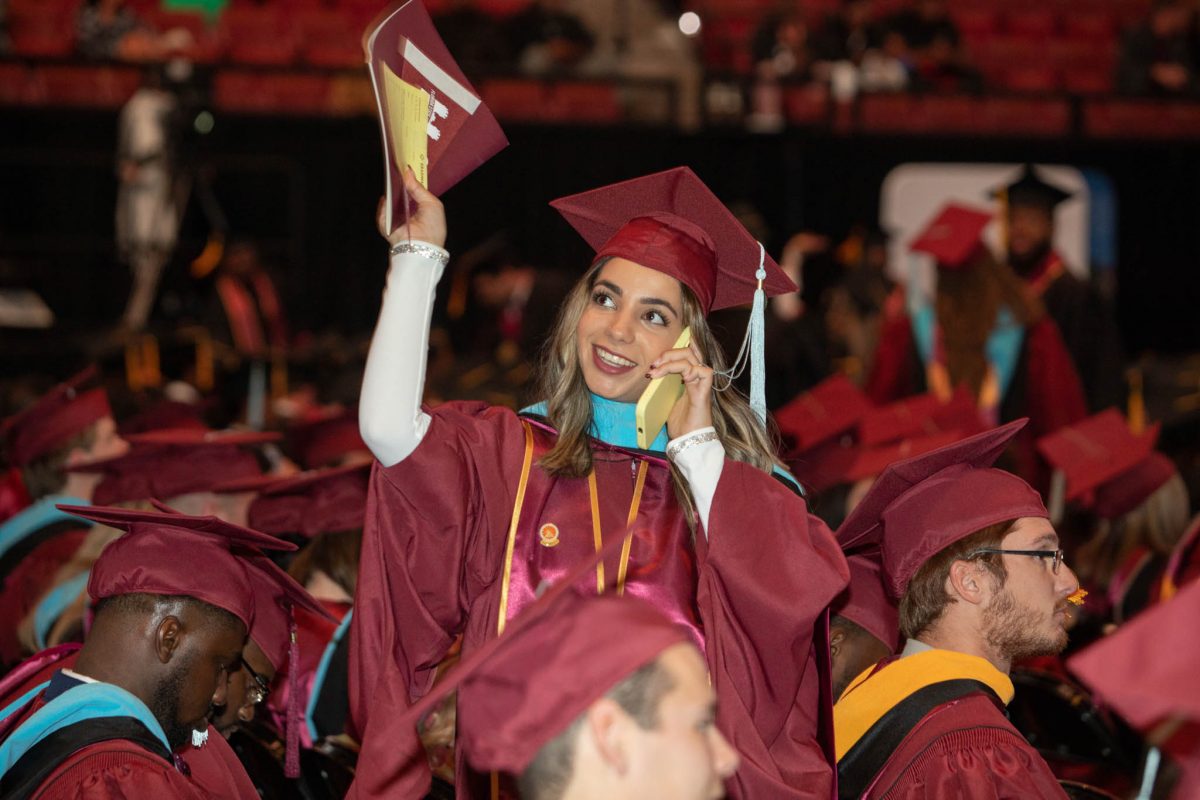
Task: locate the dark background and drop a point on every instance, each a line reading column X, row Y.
column 306, row 189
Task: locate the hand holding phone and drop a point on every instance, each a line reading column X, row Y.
column 656, row 402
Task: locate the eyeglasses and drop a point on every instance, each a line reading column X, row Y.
column 1056, row 555
column 260, row 690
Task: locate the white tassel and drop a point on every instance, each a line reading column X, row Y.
column 753, row 347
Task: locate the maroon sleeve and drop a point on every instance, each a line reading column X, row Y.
column 767, row 572
column 890, row 378
column 433, row 542
column 1054, row 389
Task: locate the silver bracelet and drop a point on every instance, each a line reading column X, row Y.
column 674, row 449
column 424, row 250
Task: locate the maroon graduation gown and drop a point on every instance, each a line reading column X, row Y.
column 216, row 771
column 965, row 749
column 435, row 564
column 112, row 770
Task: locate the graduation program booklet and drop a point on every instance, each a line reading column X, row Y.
column 430, row 115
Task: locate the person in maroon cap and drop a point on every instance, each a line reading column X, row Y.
column 182, row 467
column 864, row 628
column 270, row 648
column 1137, row 498
column 981, row 330
column 325, row 510
column 971, row 555
column 473, row 507
column 581, row 697
column 173, row 605
column 69, row 426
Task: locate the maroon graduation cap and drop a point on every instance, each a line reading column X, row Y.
column 324, row 441
column 671, row 222
column 1107, row 467
column 310, row 503
column 169, row 463
column 276, row 596
column 921, row 415
column 1147, row 669
column 62, row 413
column 168, row 553
column 919, row 506
column 866, row 603
column 952, row 237
column 462, row 133
column 830, row 408
column 1127, row 491
column 824, row 466
column 870, row 461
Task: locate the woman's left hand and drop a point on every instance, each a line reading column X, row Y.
column 694, row 409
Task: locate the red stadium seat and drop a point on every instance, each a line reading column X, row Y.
column 1087, row 81
column 515, row 98
column 806, row 105
column 93, row 86
column 1033, row 79
column 585, row 102
column 1035, row 23
column 1092, row 25
column 259, row 35
column 42, row 30
column 1026, row 116
column 976, row 22
column 1141, row 119
column 271, row 93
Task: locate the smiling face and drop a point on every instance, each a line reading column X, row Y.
column 633, row 315
column 1028, row 615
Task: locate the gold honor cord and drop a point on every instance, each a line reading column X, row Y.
column 623, row 570
column 598, row 537
column 512, row 528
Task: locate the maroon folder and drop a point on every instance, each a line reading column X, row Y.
column 463, row 133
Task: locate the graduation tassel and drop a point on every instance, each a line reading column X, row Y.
column 753, row 347
column 291, row 767
column 758, row 366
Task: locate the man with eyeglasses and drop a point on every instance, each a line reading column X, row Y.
column 268, row 652
column 172, row 604
column 969, row 552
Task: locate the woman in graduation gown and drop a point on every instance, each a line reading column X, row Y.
column 473, row 507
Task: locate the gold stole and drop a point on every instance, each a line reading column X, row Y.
column 869, row 697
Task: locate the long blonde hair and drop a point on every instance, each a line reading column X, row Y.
column 569, row 404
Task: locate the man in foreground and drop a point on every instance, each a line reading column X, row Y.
column 970, row 552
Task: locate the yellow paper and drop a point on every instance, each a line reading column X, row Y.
column 408, row 121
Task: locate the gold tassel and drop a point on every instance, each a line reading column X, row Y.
column 205, row 371
column 133, row 372
column 279, row 375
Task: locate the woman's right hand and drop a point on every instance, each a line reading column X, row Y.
column 426, row 224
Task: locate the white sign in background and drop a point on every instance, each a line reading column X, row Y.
column 913, row 194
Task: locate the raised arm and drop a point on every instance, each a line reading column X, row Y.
column 389, row 411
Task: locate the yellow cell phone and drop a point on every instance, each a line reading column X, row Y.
column 655, row 404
